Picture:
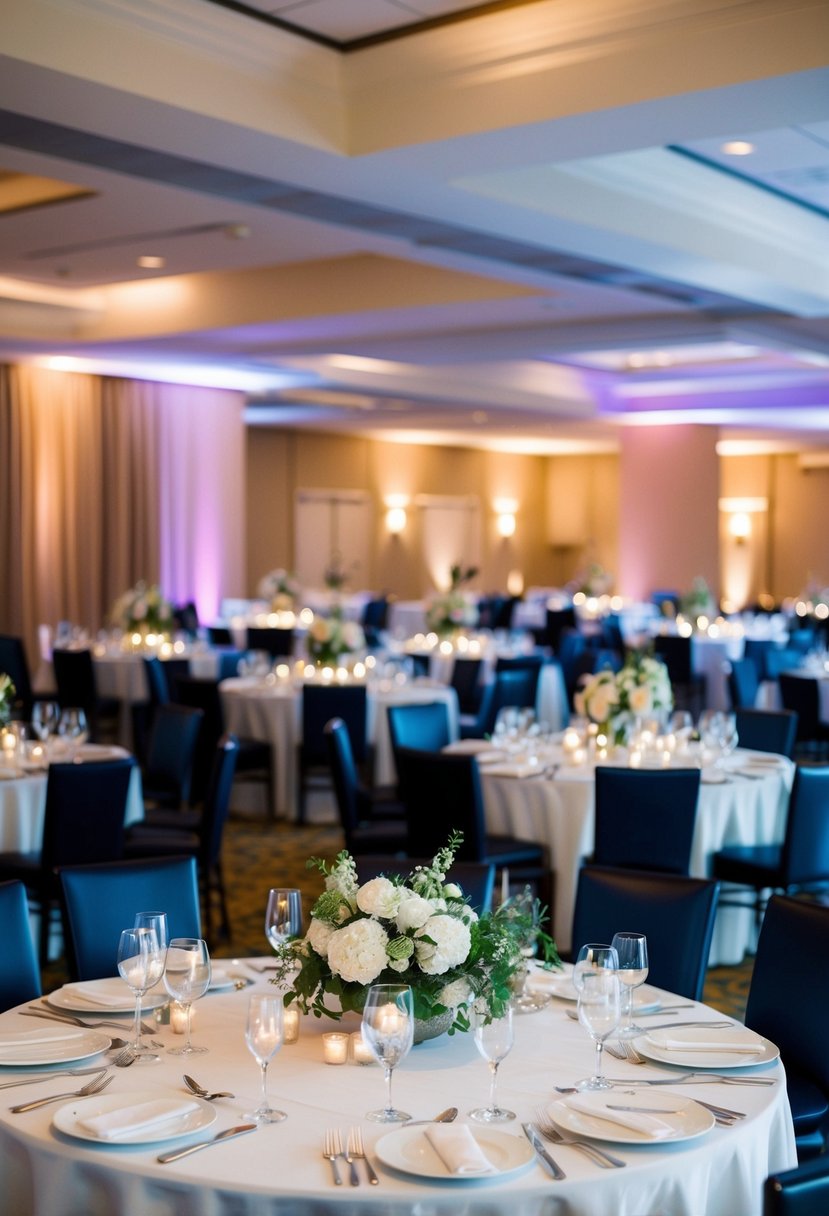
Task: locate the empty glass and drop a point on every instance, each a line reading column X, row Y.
column 45, row 716
column 283, row 915
column 594, row 956
column 599, row 1012
column 388, row 1030
column 264, row 1035
column 632, row 949
column 186, row 978
column 73, row 728
column 140, row 965
column 494, row 1040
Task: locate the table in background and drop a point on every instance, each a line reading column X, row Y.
column 280, row 1171
column 270, row 709
column 560, row 814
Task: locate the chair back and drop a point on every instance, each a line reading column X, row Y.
column 784, row 659
column 422, row 726
column 219, row 635
column 204, row 695
column 675, row 913
column 171, row 753
column 645, row 818
column 186, row 618
column 14, row 664
column 75, row 679
column 321, row 703
column 344, row 775
column 475, row 878
column 101, row 900
column 157, row 684
column 466, row 681
column 805, row 853
column 508, row 688
column 743, row 683
column 374, row 618
column 279, row 643
column 675, row 653
column 801, row 694
column 19, row 972
column 441, row 793
column 767, row 730
column 557, row 620
column 803, row 1191
column 523, row 662
column 757, row 650
column 84, row 816
column 217, row 802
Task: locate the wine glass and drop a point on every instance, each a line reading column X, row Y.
column 140, row 965
column 45, row 716
column 154, row 920
column 494, row 1039
column 632, row 949
column 283, row 916
column 599, row 1012
column 264, row 1035
column 594, row 956
column 73, row 728
column 727, row 734
column 186, row 978
column 388, row 1029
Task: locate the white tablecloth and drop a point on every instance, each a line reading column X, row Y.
column 23, row 804
column 279, row 1169
column 271, row 710
column 560, row 814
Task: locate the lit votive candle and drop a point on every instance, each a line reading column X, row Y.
column 360, row 1051
column 570, row 740
column 335, row 1047
column 178, row 1018
column 291, row 1025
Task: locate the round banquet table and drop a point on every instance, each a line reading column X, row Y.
column 270, row 709
column 559, row 812
column 279, row 1170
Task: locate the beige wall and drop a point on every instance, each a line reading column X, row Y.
column 667, row 531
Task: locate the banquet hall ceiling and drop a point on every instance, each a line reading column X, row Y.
column 515, row 225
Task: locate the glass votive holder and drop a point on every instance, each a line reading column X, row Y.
column 291, row 1025
column 178, row 1017
column 335, row 1047
column 360, row 1051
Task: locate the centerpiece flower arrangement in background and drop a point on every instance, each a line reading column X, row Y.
column 417, row 930
column 331, row 637
column 614, row 700
column 453, row 610
column 143, row 609
column 593, row 582
column 7, row 695
column 698, row 601
column 280, row 589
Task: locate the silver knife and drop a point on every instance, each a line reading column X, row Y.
column 227, row 1134
column 535, row 1140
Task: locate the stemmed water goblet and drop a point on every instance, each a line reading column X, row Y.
column 494, row 1040
column 632, row 949
column 283, row 915
column 594, row 956
column 388, row 1030
column 140, row 965
column 186, row 978
column 73, row 728
column 45, row 716
column 599, row 1010
column 264, row 1035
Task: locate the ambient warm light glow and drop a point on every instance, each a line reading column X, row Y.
column 737, row 147
column 151, row 262
column 395, row 520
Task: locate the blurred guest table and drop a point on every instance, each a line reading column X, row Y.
column 279, row 1170
column 23, row 795
column 552, row 801
column 270, row 709
column 814, row 667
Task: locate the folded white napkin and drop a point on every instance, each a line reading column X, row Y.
column 514, row 770
column 700, row 1039
column 32, row 1038
column 142, row 1117
column 553, row 982
column 106, row 994
column 458, row 1149
column 648, row 1125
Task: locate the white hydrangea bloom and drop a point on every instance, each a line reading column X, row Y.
column 449, row 944
column 413, row 911
column 455, row 994
column 319, row 935
column 357, row 953
column 379, row 897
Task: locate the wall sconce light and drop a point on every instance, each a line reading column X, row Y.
column 505, row 509
column 739, row 527
column 395, row 513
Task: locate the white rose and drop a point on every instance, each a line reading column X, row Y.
column 640, row 700
column 318, row 936
column 357, row 953
column 452, row 891
column 448, row 945
column 379, row 897
column 353, row 635
column 413, row 911
column 455, row 994
column 320, row 630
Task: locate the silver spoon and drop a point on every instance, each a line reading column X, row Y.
column 446, row 1116
column 201, row 1092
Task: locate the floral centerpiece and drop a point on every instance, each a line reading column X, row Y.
column 593, row 582
column 7, row 695
column 336, row 575
column 417, row 930
column 280, row 589
column 143, row 609
column 614, row 700
column 698, row 601
column 330, row 637
column 453, row 610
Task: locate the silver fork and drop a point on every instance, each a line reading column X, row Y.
column 346, row 1152
column 331, row 1153
column 598, row 1155
column 35, row 1011
column 93, row 1087
column 355, row 1148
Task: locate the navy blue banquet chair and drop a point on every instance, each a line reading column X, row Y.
column 557, row 622
column 466, row 681
column 475, row 878
column 171, row 751
column 787, row 1003
column 75, row 680
column 14, row 664
column 19, row 973
column 507, row 688
column 675, row 913
column 743, row 683
column 799, row 1192
column 373, row 619
column 676, row 652
column 321, row 703
column 802, row 695
column 370, row 823
column 279, row 643
column 442, row 792
column 425, row 726
column 645, row 818
column 101, row 900
column 800, row 863
column 83, row 822
column 767, row 730
column 523, row 662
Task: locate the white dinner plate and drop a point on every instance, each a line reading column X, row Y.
column 76, row 1046
column 119, row 998
column 220, row 980
column 67, row 1119
column 686, row 1118
column 408, row 1150
column 645, row 999
column 716, row 1060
